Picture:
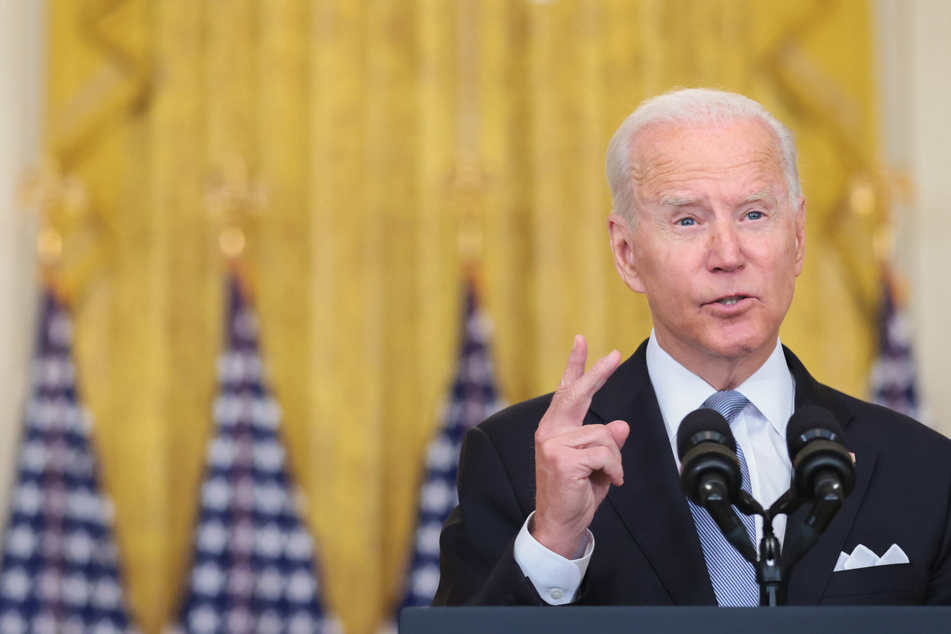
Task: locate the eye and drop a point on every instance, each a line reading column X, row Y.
column 754, row 215
column 686, row 222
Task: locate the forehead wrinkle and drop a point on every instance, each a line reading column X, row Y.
column 664, row 164
column 652, row 179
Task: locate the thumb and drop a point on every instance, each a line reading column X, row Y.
column 619, row 430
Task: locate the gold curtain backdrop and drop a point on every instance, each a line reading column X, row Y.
column 394, row 143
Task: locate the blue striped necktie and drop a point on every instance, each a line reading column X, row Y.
column 733, row 578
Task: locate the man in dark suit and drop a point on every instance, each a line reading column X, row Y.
column 708, row 223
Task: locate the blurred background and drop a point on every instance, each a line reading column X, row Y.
column 361, row 164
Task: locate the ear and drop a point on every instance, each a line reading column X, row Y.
column 622, row 246
column 800, row 234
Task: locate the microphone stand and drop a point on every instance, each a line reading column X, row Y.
column 769, row 569
column 773, row 566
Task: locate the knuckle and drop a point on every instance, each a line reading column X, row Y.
column 541, row 443
column 541, row 434
column 545, row 449
column 569, row 394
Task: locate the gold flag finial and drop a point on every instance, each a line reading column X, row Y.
column 467, row 183
column 58, row 200
column 233, row 196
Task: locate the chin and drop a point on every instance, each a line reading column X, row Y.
column 738, row 346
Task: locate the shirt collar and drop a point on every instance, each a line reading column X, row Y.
column 771, row 389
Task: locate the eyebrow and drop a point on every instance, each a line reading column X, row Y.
column 762, row 194
column 684, row 201
column 677, row 201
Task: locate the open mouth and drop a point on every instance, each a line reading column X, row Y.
column 731, row 300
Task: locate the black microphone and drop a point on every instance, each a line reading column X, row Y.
column 823, row 473
column 822, row 466
column 710, row 473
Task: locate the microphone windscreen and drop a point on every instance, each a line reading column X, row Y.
column 706, row 422
column 808, row 419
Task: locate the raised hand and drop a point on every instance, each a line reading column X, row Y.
column 575, row 464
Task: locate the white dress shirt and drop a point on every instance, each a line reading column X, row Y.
column 760, row 429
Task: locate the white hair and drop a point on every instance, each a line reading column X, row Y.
column 691, row 106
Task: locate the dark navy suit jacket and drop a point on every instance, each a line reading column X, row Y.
column 647, row 551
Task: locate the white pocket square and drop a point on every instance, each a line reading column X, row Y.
column 862, row 557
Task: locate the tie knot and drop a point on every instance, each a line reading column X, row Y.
column 728, row 404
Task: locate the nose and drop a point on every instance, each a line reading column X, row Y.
column 724, row 252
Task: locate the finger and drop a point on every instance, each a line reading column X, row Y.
column 576, row 360
column 586, row 436
column 620, row 430
column 565, row 451
column 572, row 401
column 603, row 459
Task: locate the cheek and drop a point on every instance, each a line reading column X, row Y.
column 675, row 283
column 663, row 262
column 666, row 282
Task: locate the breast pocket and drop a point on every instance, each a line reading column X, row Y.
column 896, row 584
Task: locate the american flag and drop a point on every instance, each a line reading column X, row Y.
column 253, row 567
column 60, row 571
column 893, row 382
column 474, row 397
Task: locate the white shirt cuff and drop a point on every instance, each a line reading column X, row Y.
column 555, row 578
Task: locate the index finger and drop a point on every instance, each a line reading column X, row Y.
column 576, row 360
column 573, row 397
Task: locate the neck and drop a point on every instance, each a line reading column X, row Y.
column 722, row 373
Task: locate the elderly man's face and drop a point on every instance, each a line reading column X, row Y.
column 717, row 244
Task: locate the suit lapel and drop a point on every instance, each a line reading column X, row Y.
column 651, row 503
column 812, row 574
